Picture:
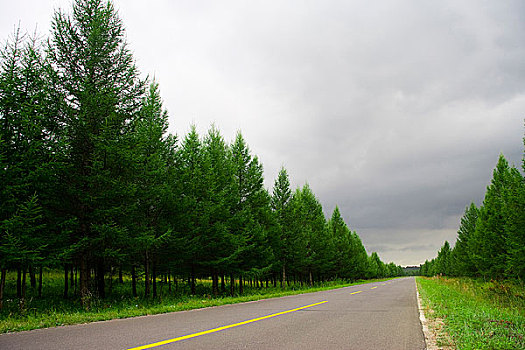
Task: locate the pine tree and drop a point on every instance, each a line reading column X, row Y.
column 194, row 187
column 282, row 240
column 94, row 71
column 150, row 151
column 463, row 265
column 514, row 213
column 250, row 211
column 23, row 241
column 313, row 225
column 299, row 236
column 358, row 258
column 27, row 148
column 376, row 268
column 340, row 235
column 488, row 246
column 443, row 260
column 219, row 244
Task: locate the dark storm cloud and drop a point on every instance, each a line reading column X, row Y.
column 394, row 111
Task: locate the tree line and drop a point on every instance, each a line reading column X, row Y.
column 92, row 183
column 491, row 239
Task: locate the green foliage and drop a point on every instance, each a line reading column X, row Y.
column 488, row 245
column 100, row 96
column 250, row 209
column 23, row 241
column 350, row 259
column 514, row 213
column 462, row 261
column 92, row 183
column 443, row 261
column 282, row 238
column 27, row 158
column 218, row 177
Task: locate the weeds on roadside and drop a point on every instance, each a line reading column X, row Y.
column 475, row 313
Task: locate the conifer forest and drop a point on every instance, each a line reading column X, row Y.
column 94, row 187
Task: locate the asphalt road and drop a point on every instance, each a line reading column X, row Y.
column 381, row 315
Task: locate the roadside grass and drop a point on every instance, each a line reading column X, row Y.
column 52, row 310
column 474, row 313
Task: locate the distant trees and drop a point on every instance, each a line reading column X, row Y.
column 491, row 239
column 92, row 183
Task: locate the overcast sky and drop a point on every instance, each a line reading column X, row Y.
column 396, row 111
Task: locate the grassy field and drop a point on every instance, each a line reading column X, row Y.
column 52, row 310
column 475, row 314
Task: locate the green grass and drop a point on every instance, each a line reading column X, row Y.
column 476, row 314
column 52, row 310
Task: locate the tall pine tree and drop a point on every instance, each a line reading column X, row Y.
column 94, row 71
column 487, row 246
column 250, row 212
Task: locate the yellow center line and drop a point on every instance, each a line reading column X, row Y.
column 374, row 287
column 359, row 291
column 193, row 335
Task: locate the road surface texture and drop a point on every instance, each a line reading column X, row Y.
column 382, row 315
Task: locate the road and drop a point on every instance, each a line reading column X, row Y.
column 380, row 315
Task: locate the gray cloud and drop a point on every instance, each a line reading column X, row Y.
column 396, row 112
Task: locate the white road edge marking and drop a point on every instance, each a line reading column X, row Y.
column 424, row 323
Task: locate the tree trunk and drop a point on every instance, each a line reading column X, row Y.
column 23, row 299
column 133, row 281
column 32, row 277
column 84, row 280
column 110, row 287
column 192, row 279
column 283, row 281
column 146, row 275
column 120, row 279
column 311, row 279
column 2, row 286
column 66, row 281
column 223, row 284
column 18, row 282
column 40, row 273
column 232, row 285
column 154, row 277
column 214, row 283
column 72, row 277
column 101, row 282
column 241, row 285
